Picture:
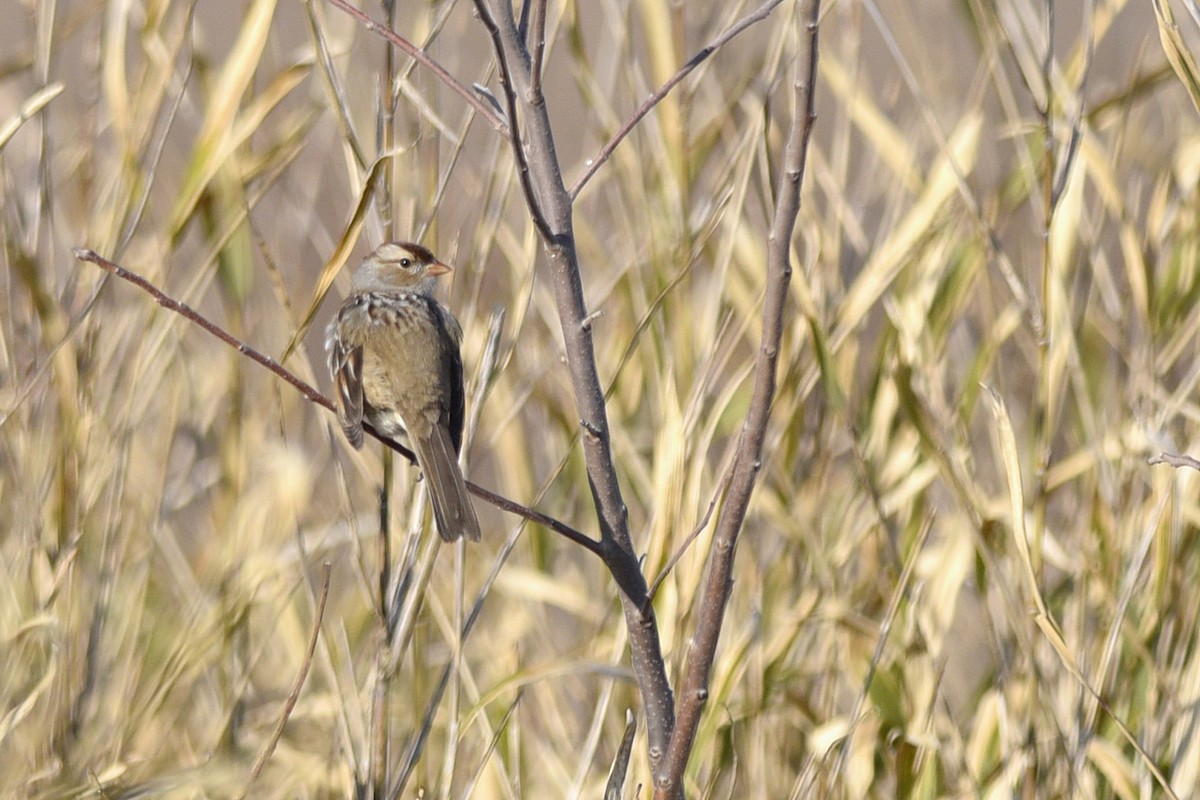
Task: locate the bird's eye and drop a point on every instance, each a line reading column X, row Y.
column 406, row 262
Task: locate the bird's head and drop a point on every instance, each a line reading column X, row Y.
column 398, row 265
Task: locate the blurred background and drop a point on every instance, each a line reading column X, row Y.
column 959, row 577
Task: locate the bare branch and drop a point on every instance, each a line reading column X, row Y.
column 1174, row 460
column 693, row 692
column 690, row 539
column 538, row 36
column 312, row 395
column 650, row 102
column 514, row 126
column 422, row 58
column 551, row 208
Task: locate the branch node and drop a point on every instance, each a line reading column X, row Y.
column 590, row 430
column 586, row 324
column 491, row 100
column 646, row 609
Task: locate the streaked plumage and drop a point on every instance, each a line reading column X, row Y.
column 394, row 357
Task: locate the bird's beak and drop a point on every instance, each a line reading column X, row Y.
column 438, row 268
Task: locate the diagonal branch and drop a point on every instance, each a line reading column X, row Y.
column 594, row 163
column 693, row 692
column 297, row 685
column 313, row 396
column 514, row 130
column 422, row 58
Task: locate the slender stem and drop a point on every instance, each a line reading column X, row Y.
column 537, row 38
column 422, row 58
column 660, row 94
column 385, row 545
column 536, row 212
column 386, row 120
column 693, row 692
column 298, row 684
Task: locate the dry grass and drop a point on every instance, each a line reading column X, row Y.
column 959, row 577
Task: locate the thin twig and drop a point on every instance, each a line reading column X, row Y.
column 691, row 538
column 536, row 212
column 1174, row 460
column 658, row 96
column 422, row 58
column 313, row 396
column 297, row 685
column 538, row 40
column 338, row 97
column 485, row 762
column 718, row 583
column 1067, row 164
column 409, row 761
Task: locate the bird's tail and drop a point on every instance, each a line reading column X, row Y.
column 452, row 508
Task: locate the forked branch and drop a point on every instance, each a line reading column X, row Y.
column 551, row 207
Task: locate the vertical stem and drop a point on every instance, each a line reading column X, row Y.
column 387, row 126
column 551, row 208
column 1043, row 412
column 1045, row 401
column 693, row 692
column 385, row 545
column 379, row 717
column 383, row 672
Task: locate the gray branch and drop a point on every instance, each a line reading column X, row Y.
column 693, row 692
column 551, row 208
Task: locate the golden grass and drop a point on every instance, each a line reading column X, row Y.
column 959, row 576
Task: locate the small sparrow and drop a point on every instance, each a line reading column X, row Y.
column 393, row 353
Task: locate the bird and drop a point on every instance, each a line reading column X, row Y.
column 395, row 362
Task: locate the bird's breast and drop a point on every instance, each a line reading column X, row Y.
column 402, row 358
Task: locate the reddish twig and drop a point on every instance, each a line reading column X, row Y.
column 422, row 58
column 312, row 395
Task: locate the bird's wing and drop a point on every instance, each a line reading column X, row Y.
column 346, row 366
column 350, row 396
column 454, row 400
